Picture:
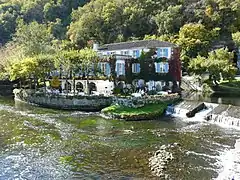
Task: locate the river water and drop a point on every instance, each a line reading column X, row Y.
column 38, row 143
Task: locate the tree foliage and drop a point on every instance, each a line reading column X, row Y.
column 218, row 64
column 34, row 38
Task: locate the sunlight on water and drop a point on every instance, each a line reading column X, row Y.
column 37, row 143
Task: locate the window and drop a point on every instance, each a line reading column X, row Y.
column 105, row 68
column 136, row 68
column 162, row 67
column 162, row 52
column 112, row 53
column 120, row 69
column 126, row 52
column 136, row 53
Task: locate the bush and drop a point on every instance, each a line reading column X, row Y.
column 116, row 91
column 206, row 88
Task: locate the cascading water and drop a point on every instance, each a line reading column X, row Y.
column 225, row 116
column 37, row 143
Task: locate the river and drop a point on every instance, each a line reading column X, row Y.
column 38, row 143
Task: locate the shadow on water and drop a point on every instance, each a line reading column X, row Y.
column 219, row 98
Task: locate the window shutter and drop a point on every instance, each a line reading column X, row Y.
column 137, row 53
column 123, row 68
column 166, row 67
column 166, row 53
column 99, row 67
column 108, row 70
column 159, row 67
column 117, row 68
column 138, row 67
column 158, row 53
column 133, row 68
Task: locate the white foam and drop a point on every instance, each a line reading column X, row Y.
column 230, row 162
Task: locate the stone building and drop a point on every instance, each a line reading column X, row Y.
column 167, row 68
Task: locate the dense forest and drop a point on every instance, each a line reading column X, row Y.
column 30, row 28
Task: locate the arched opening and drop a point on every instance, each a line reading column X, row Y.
column 68, row 87
column 92, row 87
column 79, row 87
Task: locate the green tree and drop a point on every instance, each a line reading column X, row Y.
column 218, row 64
column 170, row 20
column 236, row 38
column 74, row 61
column 90, row 60
column 99, row 20
column 34, row 39
column 194, row 40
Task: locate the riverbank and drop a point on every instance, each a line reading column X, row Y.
column 62, row 101
column 231, row 87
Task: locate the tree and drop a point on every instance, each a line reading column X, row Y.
column 28, row 68
column 74, row 61
column 236, row 38
column 8, row 21
column 218, row 64
column 195, row 39
column 99, row 20
column 89, row 63
column 34, row 38
column 169, row 21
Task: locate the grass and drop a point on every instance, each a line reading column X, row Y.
column 145, row 112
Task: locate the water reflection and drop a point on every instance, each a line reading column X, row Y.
column 213, row 98
column 38, row 143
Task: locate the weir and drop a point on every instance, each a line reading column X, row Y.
column 214, row 113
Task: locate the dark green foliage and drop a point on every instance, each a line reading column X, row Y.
column 110, row 21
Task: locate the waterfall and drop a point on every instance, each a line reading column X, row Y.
column 230, row 160
column 225, row 120
column 221, row 114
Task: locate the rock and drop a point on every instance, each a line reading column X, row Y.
column 196, row 110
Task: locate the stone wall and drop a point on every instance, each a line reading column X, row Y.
column 6, row 88
column 136, row 102
column 83, row 103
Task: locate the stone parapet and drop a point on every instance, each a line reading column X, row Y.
column 67, row 102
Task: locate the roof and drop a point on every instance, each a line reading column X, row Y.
column 136, row 44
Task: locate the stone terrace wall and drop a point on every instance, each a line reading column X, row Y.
column 83, row 103
column 136, row 102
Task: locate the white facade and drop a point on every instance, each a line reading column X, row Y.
column 102, row 86
column 105, row 86
column 131, row 52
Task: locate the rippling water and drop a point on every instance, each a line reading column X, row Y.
column 37, row 143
